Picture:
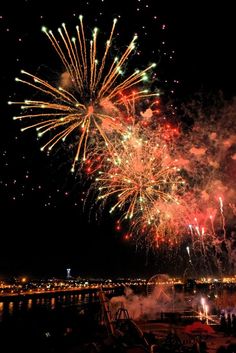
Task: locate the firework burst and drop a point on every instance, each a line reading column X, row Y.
column 92, row 96
column 143, row 180
column 171, row 185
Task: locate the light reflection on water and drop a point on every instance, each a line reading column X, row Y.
column 11, row 307
column 29, row 304
column 1, row 310
column 8, row 309
column 53, row 301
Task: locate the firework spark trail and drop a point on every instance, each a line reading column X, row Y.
column 206, row 156
column 208, row 246
column 164, row 181
column 188, row 251
column 222, row 217
column 157, row 221
column 190, row 259
column 141, row 177
column 95, row 99
column 212, row 226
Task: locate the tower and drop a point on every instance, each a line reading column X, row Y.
column 68, row 275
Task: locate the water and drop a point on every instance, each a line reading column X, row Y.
column 62, row 323
column 48, row 324
column 21, row 307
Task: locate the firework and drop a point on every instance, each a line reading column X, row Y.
column 171, row 185
column 143, row 180
column 92, row 95
column 212, row 246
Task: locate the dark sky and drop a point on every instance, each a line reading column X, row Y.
column 43, row 227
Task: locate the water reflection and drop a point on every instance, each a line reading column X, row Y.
column 10, row 308
column 25, row 305
column 1, row 310
column 52, row 305
column 42, row 301
column 29, row 304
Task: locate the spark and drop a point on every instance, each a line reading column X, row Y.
column 89, row 100
column 142, row 179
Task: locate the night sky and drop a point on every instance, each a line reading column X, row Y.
column 44, row 228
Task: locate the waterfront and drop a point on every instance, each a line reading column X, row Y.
column 46, row 323
column 15, row 307
column 41, row 324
